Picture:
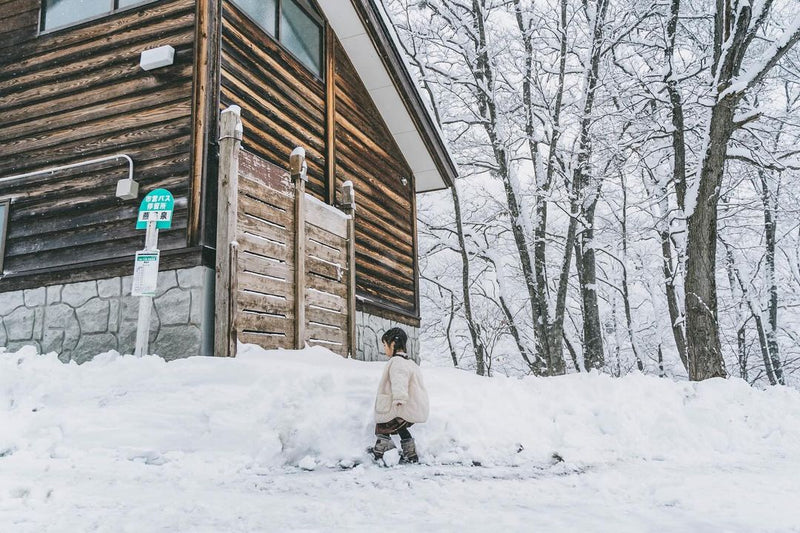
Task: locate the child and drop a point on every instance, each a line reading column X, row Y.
column 402, row 399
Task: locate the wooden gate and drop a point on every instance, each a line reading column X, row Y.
column 284, row 275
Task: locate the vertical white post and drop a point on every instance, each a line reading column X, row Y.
column 146, row 302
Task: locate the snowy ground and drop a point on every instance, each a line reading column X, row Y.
column 266, row 442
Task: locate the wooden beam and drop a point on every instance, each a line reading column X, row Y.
column 412, row 188
column 200, row 113
column 205, row 106
column 330, row 113
column 298, row 170
column 349, row 207
column 227, row 218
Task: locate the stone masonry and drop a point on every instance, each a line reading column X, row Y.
column 80, row 320
column 369, row 330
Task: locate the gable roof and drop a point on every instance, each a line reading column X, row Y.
column 366, row 37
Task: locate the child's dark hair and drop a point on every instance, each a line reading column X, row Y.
column 398, row 337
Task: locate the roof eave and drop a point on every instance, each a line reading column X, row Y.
column 427, row 135
column 393, row 60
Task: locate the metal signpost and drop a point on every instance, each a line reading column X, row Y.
column 155, row 212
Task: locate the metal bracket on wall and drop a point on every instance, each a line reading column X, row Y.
column 130, row 186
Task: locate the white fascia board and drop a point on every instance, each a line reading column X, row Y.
column 347, row 26
column 428, row 180
column 365, row 59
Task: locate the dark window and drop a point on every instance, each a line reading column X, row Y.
column 3, row 230
column 60, row 13
column 295, row 25
column 302, row 35
column 263, row 12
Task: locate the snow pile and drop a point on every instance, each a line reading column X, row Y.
column 312, row 409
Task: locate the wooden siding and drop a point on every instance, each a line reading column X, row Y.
column 283, row 104
column 265, row 307
column 367, row 155
column 267, row 300
column 78, row 94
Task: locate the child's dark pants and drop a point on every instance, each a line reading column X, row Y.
column 397, row 426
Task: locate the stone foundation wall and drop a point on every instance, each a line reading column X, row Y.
column 79, row 320
column 369, row 330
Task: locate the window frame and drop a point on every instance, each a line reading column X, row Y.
column 4, row 232
column 114, row 8
column 308, row 9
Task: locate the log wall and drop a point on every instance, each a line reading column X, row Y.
column 283, row 104
column 78, row 93
column 367, row 155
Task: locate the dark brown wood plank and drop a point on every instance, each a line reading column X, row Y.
column 179, row 108
column 116, row 28
column 135, row 142
column 94, row 251
column 76, row 94
column 262, row 174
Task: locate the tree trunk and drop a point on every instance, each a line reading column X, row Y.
column 741, row 346
column 624, row 264
column 555, row 330
column 592, row 332
column 474, row 329
column 532, row 360
column 447, row 332
column 679, row 181
column 734, row 31
column 585, row 192
column 676, row 317
column 484, row 77
column 755, row 313
column 702, row 334
column 676, row 106
column 540, row 307
column 770, row 228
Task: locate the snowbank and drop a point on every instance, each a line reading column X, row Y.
column 311, row 408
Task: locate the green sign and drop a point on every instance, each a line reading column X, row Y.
column 156, row 207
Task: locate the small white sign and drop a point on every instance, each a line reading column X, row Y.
column 145, row 273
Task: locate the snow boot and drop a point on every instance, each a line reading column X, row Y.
column 382, row 445
column 409, row 454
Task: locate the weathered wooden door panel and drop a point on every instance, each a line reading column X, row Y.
column 271, row 301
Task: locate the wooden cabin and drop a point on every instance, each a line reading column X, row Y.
column 79, row 113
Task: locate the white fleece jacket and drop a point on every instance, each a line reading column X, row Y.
column 401, row 392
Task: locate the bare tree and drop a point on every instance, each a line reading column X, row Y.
column 736, row 27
